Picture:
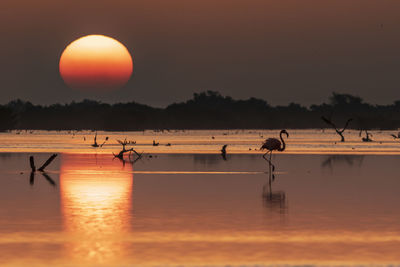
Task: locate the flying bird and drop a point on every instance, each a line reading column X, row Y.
column 272, row 144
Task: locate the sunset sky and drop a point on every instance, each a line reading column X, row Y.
column 279, row 50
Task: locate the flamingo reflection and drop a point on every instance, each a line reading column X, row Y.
column 274, row 200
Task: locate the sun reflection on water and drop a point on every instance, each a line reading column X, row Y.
column 96, row 200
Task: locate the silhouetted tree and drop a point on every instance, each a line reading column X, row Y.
column 206, row 110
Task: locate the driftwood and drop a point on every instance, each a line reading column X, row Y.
column 48, row 161
column 124, row 143
column 41, row 170
column 95, row 144
column 32, row 163
column 339, row 132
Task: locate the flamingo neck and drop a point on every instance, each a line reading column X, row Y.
column 283, row 143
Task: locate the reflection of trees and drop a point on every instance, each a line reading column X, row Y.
column 350, row 160
column 274, row 200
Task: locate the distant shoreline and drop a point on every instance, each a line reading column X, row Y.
column 207, row 110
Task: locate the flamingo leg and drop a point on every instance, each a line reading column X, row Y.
column 269, row 160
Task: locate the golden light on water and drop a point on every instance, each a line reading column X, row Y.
column 184, row 218
column 96, row 199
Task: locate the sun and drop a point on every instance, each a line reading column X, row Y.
column 96, row 63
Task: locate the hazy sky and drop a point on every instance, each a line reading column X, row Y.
column 278, row 50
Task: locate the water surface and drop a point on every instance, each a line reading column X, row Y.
column 315, row 141
column 200, row 210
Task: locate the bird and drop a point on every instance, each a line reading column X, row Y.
column 155, row 144
column 396, row 137
column 339, row 132
column 272, row 144
column 95, row 144
column 223, row 151
column 104, row 141
column 95, row 141
column 366, row 138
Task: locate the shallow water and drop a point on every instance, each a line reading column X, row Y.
column 317, row 141
column 200, row 210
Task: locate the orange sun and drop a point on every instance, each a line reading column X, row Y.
column 96, row 63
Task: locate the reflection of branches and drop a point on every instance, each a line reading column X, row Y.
column 48, row 178
column 130, row 161
column 339, row 132
column 45, row 175
column 41, row 170
column 32, row 178
column 348, row 159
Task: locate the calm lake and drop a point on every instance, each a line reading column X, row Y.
column 171, row 208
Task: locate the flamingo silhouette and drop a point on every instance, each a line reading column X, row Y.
column 272, row 144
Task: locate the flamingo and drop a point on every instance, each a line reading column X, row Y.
column 272, row 144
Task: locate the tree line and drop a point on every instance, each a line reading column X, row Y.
column 206, row 110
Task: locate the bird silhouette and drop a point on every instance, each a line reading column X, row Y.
column 95, row 141
column 223, row 151
column 367, row 135
column 339, row 132
column 396, row 137
column 272, row 144
column 95, row 144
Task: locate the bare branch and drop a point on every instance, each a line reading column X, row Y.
column 32, row 163
column 48, row 161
